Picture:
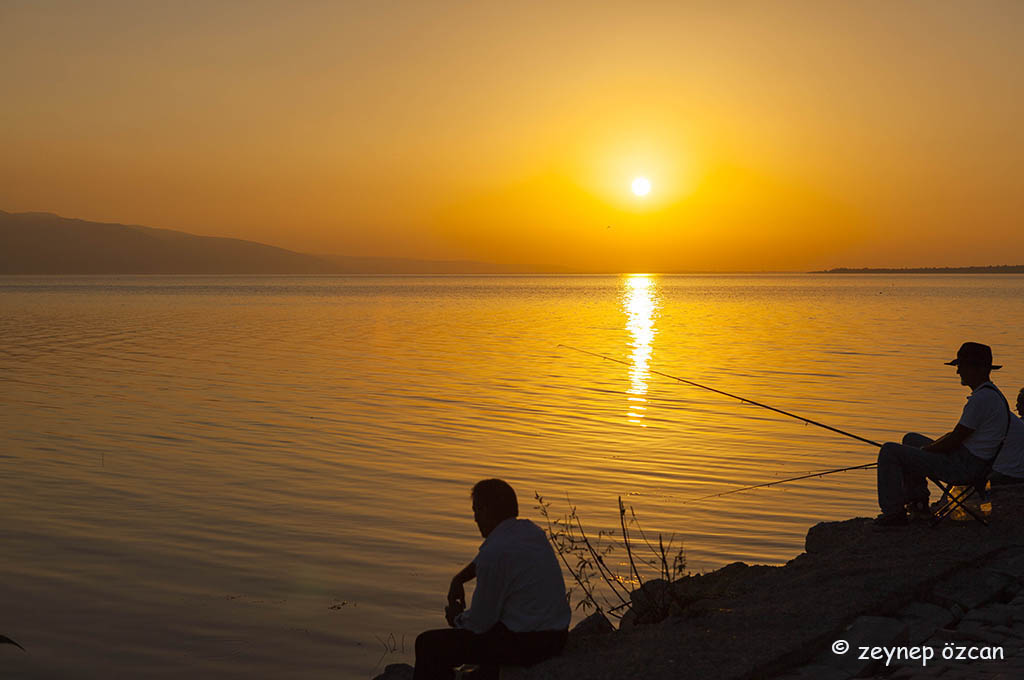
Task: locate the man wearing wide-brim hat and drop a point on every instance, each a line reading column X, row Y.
column 963, row 456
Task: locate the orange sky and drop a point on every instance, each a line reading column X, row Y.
column 777, row 135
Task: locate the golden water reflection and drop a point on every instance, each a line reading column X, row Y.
column 639, row 303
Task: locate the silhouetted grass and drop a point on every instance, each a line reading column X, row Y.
column 604, row 589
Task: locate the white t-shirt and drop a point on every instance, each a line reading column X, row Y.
column 985, row 413
column 518, row 582
column 1011, row 459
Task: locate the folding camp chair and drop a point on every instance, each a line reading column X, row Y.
column 958, row 499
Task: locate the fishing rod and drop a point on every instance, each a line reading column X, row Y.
column 865, row 466
column 752, row 403
column 732, row 396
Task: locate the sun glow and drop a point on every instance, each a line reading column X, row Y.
column 641, row 186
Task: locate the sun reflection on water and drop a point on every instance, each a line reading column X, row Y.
column 640, row 306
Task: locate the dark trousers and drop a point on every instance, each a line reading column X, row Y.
column 999, row 479
column 903, row 468
column 438, row 652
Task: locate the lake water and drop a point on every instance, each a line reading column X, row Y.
column 269, row 477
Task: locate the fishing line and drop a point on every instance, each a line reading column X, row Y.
column 865, row 466
column 752, row 403
column 733, row 396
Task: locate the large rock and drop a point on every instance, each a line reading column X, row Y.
column 650, row 603
column 825, row 537
column 865, row 631
column 396, row 671
column 971, row 588
column 995, row 614
column 1009, row 563
column 595, row 624
column 923, row 619
column 692, row 595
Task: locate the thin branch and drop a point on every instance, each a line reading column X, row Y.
column 611, row 579
column 586, row 591
column 625, row 539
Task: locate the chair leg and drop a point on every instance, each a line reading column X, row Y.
column 956, row 500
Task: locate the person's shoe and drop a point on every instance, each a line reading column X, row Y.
column 892, row 519
column 919, row 510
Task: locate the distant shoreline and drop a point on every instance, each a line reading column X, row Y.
column 991, row 269
column 1007, row 269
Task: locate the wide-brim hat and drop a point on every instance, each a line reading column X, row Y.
column 974, row 353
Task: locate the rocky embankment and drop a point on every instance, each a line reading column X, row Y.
column 885, row 593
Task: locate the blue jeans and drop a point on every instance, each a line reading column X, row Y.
column 903, row 470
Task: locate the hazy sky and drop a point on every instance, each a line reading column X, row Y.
column 776, row 135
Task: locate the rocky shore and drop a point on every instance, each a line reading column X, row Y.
column 886, row 593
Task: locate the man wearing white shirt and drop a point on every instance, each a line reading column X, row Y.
column 963, row 456
column 519, row 614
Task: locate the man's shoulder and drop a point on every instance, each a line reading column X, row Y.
column 988, row 389
column 513, row 536
column 528, row 527
column 986, row 395
column 528, row 531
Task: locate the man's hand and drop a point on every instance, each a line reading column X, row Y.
column 456, row 601
column 450, row 612
column 457, row 593
column 950, row 441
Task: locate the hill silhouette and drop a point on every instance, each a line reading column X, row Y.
column 44, row 243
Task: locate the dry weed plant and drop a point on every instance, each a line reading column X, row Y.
column 599, row 585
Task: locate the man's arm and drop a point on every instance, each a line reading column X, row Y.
column 950, row 441
column 457, row 593
column 488, row 597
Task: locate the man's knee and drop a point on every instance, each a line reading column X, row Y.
column 422, row 642
column 432, row 642
column 889, row 454
column 916, row 439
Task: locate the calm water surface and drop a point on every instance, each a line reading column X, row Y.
column 269, row 477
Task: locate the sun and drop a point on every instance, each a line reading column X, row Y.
column 641, row 186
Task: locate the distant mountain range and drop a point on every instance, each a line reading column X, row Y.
column 994, row 269
column 44, row 243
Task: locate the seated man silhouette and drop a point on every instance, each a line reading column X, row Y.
column 519, row 614
column 1009, row 465
column 962, row 456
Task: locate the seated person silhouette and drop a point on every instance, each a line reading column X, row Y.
column 519, row 614
column 1009, row 465
column 963, row 456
